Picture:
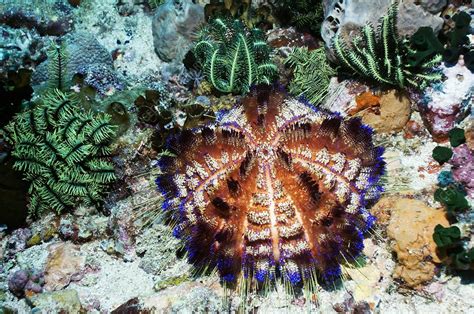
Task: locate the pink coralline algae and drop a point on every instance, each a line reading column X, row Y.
column 463, row 167
column 443, row 105
column 275, row 187
column 25, row 280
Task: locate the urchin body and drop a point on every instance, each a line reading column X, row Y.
column 275, row 185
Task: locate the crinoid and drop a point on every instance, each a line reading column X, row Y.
column 275, row 187
column 382, row 55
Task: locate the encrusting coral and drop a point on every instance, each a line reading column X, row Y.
column 274, row 186
column 233, row 57
column 381, row 56
column 410, row 224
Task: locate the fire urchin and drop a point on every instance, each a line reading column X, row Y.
column 274, row 186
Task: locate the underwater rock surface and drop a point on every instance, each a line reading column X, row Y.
column 410, row 227
column 174, row 25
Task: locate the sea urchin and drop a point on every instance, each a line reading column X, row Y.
column 274, row 186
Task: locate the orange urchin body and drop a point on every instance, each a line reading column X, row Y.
column 274, row 185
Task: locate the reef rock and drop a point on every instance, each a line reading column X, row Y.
column 20, row 48
column 432, row 6
column 463, row 167
column 25, row 281
column 64, row 301
column 53, row 18
column 342, row 95
column 444, row 104
column 121, row 226
column 391, row 115
column 187, row 297
column 64, row 265
column 17, row 242
column 174, row 24
column 85, row 56
column 470, row 134
column 410, row 227
column 348, row 15
column 368, row 280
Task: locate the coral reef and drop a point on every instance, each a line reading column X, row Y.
column 61, row 151
column 266, row 202
column 63, row 266
column 380, row 56
column 344, row 95
column 463, row 167
column 65, row 301
column 365, row 100
column 455, row 185
column 391, row 114
column 84, row 55
column 20, row 48
column 154, row 107
column 306, row 15
column 101, row 78
column 252, row 14
column 285, row 189
column 17, row 242
column 444, row 105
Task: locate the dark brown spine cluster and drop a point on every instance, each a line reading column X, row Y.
column 274, row 186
